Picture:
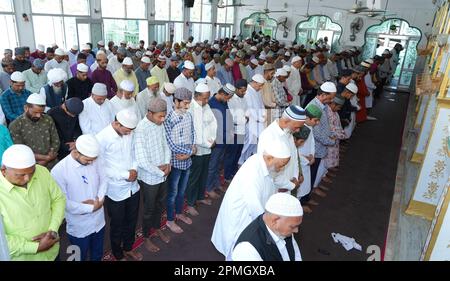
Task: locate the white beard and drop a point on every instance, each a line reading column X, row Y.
column 124, row 103
column 57, row 90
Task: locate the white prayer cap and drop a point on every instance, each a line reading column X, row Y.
column 100, row 52
column 56, row 75
column 85, row 47
column 386, row 52
column 36, row 99
column 253, row 48
column 169, row 87
column 209, row 65
column 54, row 45
column 285, row 205
column 127, row 61
column 131, row 45
column 17, row 76
column 281, row 72
column 295, row 113
column 229, row 62
column 369, row 61
column 202, row 88
column 296, row 59
column 216, row 46
column 234, row 50
column 127, row 118
column 101, row 43
column 189, row 45
column 162, row 57
column 189, row 65
column 287, row 68
column 123, row 42
column 287, row 54
column 81, row 67
column 75, row 47
column 316, row 59
column 88, row 146
column 18, row 156
column 127, row 85
column 148, row 53
column 254, row 61
column 262, row 57
column 352, row 88
column 328, row 87
column 99, row 89
column 258, row 78
column 60, row 52
column 41, row 48
column 277, row 149
column 145, row 60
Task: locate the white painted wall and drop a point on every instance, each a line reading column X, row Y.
column 418, row 13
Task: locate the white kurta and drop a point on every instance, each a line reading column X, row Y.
column 371, row 87
column 294, row 85
column 182, row 82
column 238, row 108
column 64, row 65
column 114, row 64
column 214, row 84
column 161, row 75
column 291, row 170
column 122, row 103
column 307, row 149
column 142, row 100
column 94, row 117
column 244, row 201
column 205, row 126
column 169, row 101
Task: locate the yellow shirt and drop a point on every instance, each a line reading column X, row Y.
column 121, row 75
column 28, row 212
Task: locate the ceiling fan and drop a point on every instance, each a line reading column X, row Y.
column 307, row 11
column 267, row 11
column 374, row 13
column 356, row 8
column 221, row 5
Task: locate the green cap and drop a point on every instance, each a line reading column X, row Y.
column 313, row 111
column 302, row 134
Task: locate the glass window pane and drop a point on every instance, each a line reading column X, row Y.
column 206, row 11
column 176, row 10
column 46, row 6
column 178, row 32
column 117, row 30
column 84, row 33
column 196, row 11
column 48, row 30
column 70, row 28
column 221, row 13
column 162, row 10
column 113, row 8
column 195, row 32
column 8, row 29
column 230, row 15
column 136, row 9
column 76, row 7
column 143, row 30
column 205, row 32
column 6, row 6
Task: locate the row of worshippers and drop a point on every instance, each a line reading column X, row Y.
column 165, row 156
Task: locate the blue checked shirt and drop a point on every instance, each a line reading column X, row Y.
column 180, row 136
column 12, row 103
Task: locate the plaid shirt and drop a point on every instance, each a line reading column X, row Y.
column 12, row 103
column 180, row 136
column 151, row 150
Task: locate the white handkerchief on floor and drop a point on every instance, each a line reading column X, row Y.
column 347, row 242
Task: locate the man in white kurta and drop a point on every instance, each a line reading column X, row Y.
column 294, row 81
column 160, row 72
column 292, row 120
column 211, row 79
column 58, row 62
column 246, row 196
column 124, row 97
column 83, row 182
column 98, row 111
column 256, row 116
column 167, row 95
column 184, row 80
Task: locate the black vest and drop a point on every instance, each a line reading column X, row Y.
column 256, row 233
column 53, row 99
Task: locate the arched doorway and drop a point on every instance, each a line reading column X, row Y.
column 316, row 27
column 258, row 22
column 384, row 36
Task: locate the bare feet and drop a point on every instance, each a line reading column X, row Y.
column 134, row 255
column 313, row 203
column 174, row 227
column 213, row 195
column 192, row 211
column 207, row 202
column 150, row 246
column 327, row 180
column 324, row 188
column 306, row 209
column 164, row 237
column 319, row 192
column 329, row 174
column 184, row 218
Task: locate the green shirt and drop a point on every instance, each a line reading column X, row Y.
column 40, row 136
column 34, row 82
column 28, row 212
